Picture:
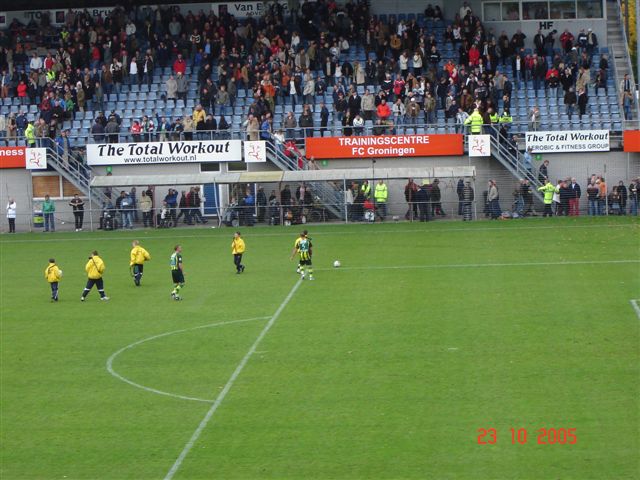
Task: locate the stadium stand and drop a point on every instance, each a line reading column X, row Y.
column 249, row 74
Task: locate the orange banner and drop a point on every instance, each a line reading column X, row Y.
column 12, row 157
column 384, row 146
column 631, row 140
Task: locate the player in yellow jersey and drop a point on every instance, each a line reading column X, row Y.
column 303, row 247
column 136, row 263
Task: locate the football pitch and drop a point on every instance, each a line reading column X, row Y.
column 415, row 359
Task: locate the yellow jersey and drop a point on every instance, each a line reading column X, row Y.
column 237, row 246
column 52, row 273
column 94, row 267
column 138, row 256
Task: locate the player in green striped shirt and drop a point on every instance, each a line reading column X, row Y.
column 177, row 273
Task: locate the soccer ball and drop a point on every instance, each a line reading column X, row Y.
column 336, row 264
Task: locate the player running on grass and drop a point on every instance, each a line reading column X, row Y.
column 303, row 247
column 136, row 263
column 177, row 273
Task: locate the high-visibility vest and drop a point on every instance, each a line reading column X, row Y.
column 381, row 193
column 476, row 121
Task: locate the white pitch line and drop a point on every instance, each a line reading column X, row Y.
column 479, row 265
column 111, row 359
column 81, row 238
column 636, row 307
column 203, row 423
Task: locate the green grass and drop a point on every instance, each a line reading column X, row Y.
column 369, row 372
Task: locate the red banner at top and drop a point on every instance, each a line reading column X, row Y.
column 374, row 146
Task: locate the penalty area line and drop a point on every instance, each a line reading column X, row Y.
column 636, row 307
column 234, row 376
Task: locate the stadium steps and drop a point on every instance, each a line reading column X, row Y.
column 513, row 163
column 617, row 43
column 77, row 174
column 326, row 193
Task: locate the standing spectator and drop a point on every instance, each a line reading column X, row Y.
column 493, row 200
column 534, row 118
column 172, row 88
column 11, row 215
column 574, row 198
column 570, row 100
column 252, row 128
column 306, row 122
column 634, row 186
column 592, row 197
column 410, row 190
column 602, row 196
column 582, row 102
column 182, row 85
column 528, row 160
column 565, row 198
column 324, row 119
column 549, row 191
column 145, row 208
column 436, row 199
column 180, row 66
column 381, row 195
column 368, row 105
column 543, row 172
column 622, row 190
column 459, row 193
column 78, row 211
column 48, row 209
column 627, row 101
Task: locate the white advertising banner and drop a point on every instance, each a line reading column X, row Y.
column 255, row 151
column 568, row 141
column 164, row 152
column 243, row 9
column 35, row 158
column 479, row 145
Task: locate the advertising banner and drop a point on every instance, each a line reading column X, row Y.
column 373, row 146
column 36, row 158
column 631, row 140
column 243, row 9
column 255, row 151
column 164, row 152
column 12, row 157
column 479, row 145
column 568, row 141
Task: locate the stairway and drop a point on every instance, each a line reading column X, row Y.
column 513, row 163
column 328, row 195
column 76, row 173
column 619, row 60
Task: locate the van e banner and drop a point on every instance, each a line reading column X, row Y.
column 164, row 152
column 378, row 146
column 568, row 141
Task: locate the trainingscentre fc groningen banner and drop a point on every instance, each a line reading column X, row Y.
column 568, row 141
column 164, row 152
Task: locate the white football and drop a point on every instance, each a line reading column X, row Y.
column 336, row 264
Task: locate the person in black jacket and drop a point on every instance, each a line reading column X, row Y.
column 261, row 201
column 543, row 172
column 460, row 193
column 422, row 201
column 565, row 195
column 622, row 190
